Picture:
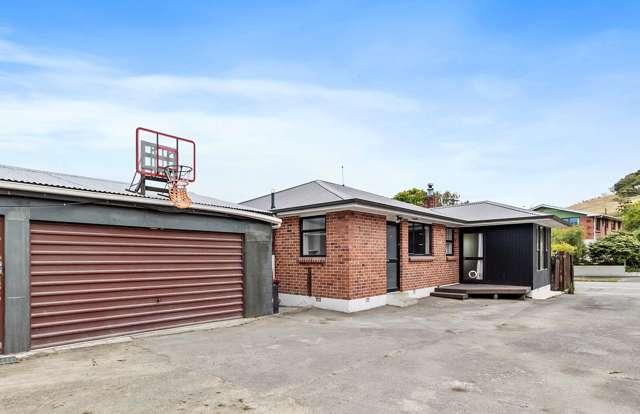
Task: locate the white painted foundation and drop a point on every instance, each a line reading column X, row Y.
column 543, row 292
column 354, row 305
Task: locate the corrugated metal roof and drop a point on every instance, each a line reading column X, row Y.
column 318, row 193
column 97, row 185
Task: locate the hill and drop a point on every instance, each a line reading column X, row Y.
column 606, row 203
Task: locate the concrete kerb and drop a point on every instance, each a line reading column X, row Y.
column 208, row 326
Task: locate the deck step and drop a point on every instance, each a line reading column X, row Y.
column 484, row 291
column 450, row 295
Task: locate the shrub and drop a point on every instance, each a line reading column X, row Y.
column 572, row 236
column 563, row 247
column 620, row 248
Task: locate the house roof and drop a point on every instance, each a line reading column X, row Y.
column 581, row 212
column 318, row 194
column 568, row 210
column 488, row 211
column 47, row 182
column 321, row 193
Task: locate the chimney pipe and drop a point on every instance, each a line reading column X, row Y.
column 430, row 201
column 273, row 199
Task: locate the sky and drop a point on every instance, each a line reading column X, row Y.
column 516, row 102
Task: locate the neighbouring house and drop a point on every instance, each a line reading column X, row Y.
column 83, row 258
column 346, row 249
column 595, row 226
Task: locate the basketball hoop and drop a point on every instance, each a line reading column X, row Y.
column 177, row 181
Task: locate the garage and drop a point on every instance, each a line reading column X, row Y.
column 1, row 283
column 95, row 281
column 88, row 259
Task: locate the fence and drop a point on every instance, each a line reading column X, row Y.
column 562, row 275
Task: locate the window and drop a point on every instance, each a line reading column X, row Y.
column 573, row 221
column 419, row 239
column 472, row 257
column 313, row 236
column 449, row 241
column 542, row 248
column 597, row 224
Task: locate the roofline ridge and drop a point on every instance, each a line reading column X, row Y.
column 321, row 183
column 514, row 208
column 279, row 191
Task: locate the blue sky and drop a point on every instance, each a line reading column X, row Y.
column 510, row 101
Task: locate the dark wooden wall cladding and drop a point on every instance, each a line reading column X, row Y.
column 90, row 281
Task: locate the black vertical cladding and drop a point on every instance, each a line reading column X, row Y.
column 510, row 255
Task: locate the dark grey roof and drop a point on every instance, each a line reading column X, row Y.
column 97, row 185
column 488, row 211
column 323, row 193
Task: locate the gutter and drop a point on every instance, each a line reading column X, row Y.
column 35, row 188
column 366, row 203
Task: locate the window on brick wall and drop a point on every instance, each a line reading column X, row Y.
column 420, row 239
column 597, row 224
column 449, row 241
column 313, row 236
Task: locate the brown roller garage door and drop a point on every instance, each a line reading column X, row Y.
column 1, row 282
column 91, row 281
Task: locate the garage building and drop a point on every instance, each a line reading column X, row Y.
column 84, row 258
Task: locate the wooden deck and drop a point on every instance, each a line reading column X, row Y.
column 464, row 290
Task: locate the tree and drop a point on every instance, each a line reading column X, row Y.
column 572, row 236
column 413, row 195
column 620, row 248
column 418, row 196
column 563, row 247
column 448, row 198
column 628, row 186
column 631, row 216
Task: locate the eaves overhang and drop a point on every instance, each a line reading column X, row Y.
column 380, row 208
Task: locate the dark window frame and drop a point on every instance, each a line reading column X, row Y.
column 448, row 241
column 302, row 233
column 597, row 223
column 424, row 226
column 543, row 236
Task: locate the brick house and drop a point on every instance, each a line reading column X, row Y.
column 345, row 249
column 595, row 226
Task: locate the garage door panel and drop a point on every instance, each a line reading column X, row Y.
column 55, row 303
column 69, row 336
column 89, row 281
column 64, row 308
column 146, row 256
column 111, row 325
column 71, row 279
column 138, row 312
column 45, row 268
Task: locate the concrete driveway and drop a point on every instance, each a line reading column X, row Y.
column 571, row 354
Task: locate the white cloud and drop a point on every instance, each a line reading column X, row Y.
column 486, row 136
column 82, row 116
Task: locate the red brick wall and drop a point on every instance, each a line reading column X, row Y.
column 329, row 274
column 355, row 263
column 588, row 226
column 427, row 271
column 368, row 255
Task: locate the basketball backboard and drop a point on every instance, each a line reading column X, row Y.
column 155, row 151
